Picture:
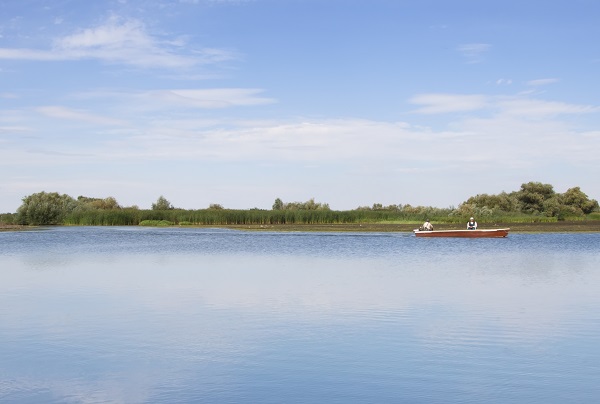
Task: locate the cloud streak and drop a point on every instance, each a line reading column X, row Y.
column 60, row 112
column 541, row 82
column 512, row 105
column 533, row 108
column 121, row 42
column 446, row 103
column 473, row 52
column 212, row 98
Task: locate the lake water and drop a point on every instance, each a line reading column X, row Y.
column 140, row 315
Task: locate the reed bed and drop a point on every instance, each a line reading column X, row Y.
column 208, row 217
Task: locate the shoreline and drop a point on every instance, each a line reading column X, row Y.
column 557, row 227
column 13, row 227
column 589, row 226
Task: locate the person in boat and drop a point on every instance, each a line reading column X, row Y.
column 427, row 226
column 471, row 224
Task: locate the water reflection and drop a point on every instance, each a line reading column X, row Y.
column 146, row 315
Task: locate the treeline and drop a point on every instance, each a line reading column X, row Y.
column 534, row 198
column 533, row 202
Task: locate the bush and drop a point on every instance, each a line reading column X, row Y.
column 156, row 223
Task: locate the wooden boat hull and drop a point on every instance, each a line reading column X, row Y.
column 485, row 233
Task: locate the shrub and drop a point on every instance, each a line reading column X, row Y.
column 156, row 223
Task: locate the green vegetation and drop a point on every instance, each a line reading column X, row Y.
column 45, row 208
column 162, row 204
column 156, row 223
column 535, row 199
column 533, row 203
column 308, row 205
column 7, row 218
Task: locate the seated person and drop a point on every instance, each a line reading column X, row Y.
column 472, row 224
column 427, row 226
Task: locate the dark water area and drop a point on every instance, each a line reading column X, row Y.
column 140, row 315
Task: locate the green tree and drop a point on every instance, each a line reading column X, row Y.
column 44, row 208
column 98, row 203
column 532, row 196
column 278, row 205
column 377, row 206
column 552, row 207
column 162, row 204
column 575, row 198
column 308, row 205
column 502, row 201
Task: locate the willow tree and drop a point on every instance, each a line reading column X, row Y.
column 577, row 199
column 45, row 208
column 532, row 196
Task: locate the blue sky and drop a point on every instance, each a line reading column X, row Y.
column 348, row 102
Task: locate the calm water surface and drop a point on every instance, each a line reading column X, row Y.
column 138, row 315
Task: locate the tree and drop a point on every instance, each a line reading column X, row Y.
column 109, row 203
column 45, row 208
column 552, row 207
column 162, row 204
column 308, row 205
column 503, row 202
column 377, row 206
column 533, row 195
column 278, row 205
column 575, row 198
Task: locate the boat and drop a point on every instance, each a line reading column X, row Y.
column 483, row 233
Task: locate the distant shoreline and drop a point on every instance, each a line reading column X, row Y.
column 556, row 227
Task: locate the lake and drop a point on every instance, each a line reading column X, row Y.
column 150, row 315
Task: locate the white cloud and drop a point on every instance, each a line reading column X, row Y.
column 491, row 131
column 592, row 134
column 71, row 114
column 213, row 98
column 523, row 106
column 541, row 82
column 534, row 108
column 368, row 154
column 111, row 35
column 264, row 141
column 126, row 42
column 445, row 103
column 138, row 102
column 30, row 54
column 13, row 130
column 504, row 82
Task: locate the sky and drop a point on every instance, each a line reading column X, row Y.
column 352, row 103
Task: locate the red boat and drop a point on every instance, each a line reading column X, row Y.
column 462, row 233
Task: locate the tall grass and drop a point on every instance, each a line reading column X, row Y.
column 208, row 217
column 594, row 216
column 8, row 218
